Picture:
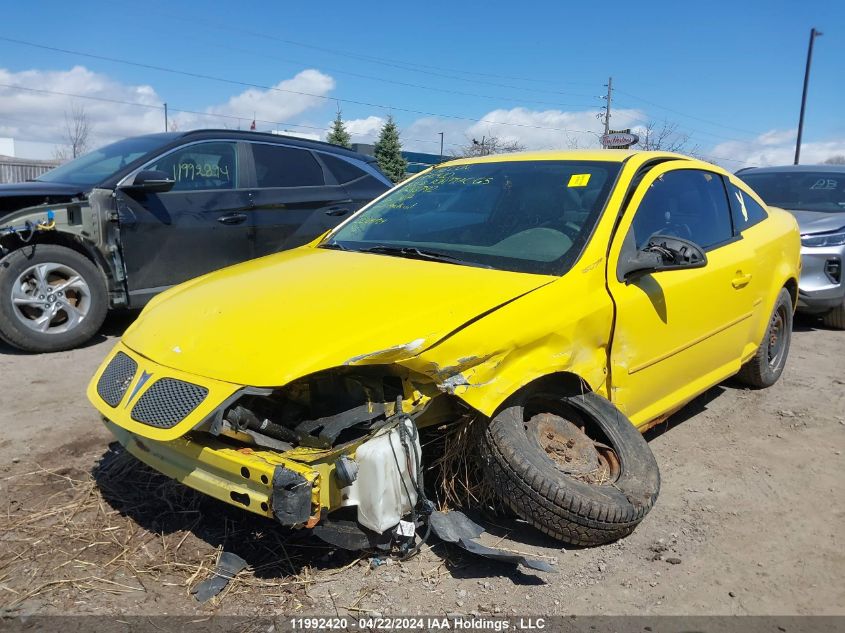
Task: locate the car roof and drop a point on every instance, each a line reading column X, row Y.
column 243, row 135
column 836, row 169
column 603, row 155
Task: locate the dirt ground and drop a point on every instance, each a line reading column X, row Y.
column 749, row 520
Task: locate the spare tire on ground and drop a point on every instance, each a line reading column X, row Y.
column 573, row 467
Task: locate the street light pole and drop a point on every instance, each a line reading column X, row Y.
column 441, row 146
column 813, row 35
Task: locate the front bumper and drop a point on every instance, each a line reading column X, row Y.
column 259, row 481
column 294, row 487
column 818, row 289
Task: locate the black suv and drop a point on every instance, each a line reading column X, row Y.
column 117, row 226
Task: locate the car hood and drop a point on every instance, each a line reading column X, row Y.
column 36, row 188
column 21, row 195
column 269, row 321
column 818, row 221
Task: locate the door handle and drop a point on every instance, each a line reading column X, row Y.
column 740, row 281
column 231, row 219
column 336, row 211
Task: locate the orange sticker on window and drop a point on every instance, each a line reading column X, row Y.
column 578, row 180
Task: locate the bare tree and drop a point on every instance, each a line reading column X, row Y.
column 665, row 137
column 77, row 133
column 835, row 160
column 489, row 145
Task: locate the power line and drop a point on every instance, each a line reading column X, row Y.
column 689, row 116
column 184, row 111
column 415, row 85
column 399, row 64
column 247, row 84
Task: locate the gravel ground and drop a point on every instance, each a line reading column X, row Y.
column 748, row 521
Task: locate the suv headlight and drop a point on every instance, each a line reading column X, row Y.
column 825, row 239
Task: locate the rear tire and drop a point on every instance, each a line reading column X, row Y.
column 835, row 318
column 766, row 366
column 51, row 298
column 540, row 461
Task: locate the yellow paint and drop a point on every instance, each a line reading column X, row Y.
column 578, row 180
column 649, row 345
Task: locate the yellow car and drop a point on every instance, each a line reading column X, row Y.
column 565, row 300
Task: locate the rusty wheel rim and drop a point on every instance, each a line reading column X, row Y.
column 777, row 337
column 568, row 445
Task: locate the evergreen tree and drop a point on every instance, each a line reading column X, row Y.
column 388, row 151
column 338, row 134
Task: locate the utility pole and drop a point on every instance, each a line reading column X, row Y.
column 165, row 116
column 813, row 35
column 441, row 146
column 607, row 107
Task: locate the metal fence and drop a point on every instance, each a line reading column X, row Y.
column 19, row 169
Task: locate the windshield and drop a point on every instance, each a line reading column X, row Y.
column 524, row 216
column 96, row 166
column 800, row 190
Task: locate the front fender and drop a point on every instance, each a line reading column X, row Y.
column 562, row 327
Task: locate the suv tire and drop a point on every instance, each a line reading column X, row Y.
column 52, row 298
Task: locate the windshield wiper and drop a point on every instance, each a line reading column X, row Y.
column 412, row 252
column 333, row 245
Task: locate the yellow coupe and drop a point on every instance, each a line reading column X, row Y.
column 566, row 300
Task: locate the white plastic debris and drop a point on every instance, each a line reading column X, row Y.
column 384, row 490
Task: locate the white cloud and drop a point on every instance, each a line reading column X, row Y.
column 776, row 147
column 365, row 130
column 282, row 101
column 37, row 119
column 535, row 129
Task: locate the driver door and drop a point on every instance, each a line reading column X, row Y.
column 201, row 224
column 678, row 332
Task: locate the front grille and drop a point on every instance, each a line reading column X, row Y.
column 168, row 402
column 116, row 379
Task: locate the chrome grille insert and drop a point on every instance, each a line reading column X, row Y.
column 116, row 379
column 167, row 402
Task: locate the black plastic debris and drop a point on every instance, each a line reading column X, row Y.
column 228, row 566
column 457, row 528
column 350, row 535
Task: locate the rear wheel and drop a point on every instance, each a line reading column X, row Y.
column 575, row 468
column 766, row 366
column 51, row 298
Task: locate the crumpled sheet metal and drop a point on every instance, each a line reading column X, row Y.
column 457, row 528
column 228, row 566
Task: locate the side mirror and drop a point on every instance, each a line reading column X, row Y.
column 663, row 252
column 152, row 181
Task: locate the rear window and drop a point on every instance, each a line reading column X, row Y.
column 343, row 170
column 744, row 209
column 278, row 166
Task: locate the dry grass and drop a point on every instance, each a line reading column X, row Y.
column 455, row 463
column 122, row 528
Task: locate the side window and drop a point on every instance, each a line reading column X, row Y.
column 201, row 166
column 277, row 166
column 343, row 170
column 745, row 210
column 687, row 203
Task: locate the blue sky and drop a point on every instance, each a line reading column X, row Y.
column 727, row 73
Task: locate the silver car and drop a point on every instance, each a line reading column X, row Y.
column 815, row 195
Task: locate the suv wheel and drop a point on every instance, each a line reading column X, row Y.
column 51, row 298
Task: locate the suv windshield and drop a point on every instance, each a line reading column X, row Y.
column 96, row 166
column 524, row 216
column 800, row 190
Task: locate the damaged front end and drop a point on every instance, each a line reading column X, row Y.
column 334, row 439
